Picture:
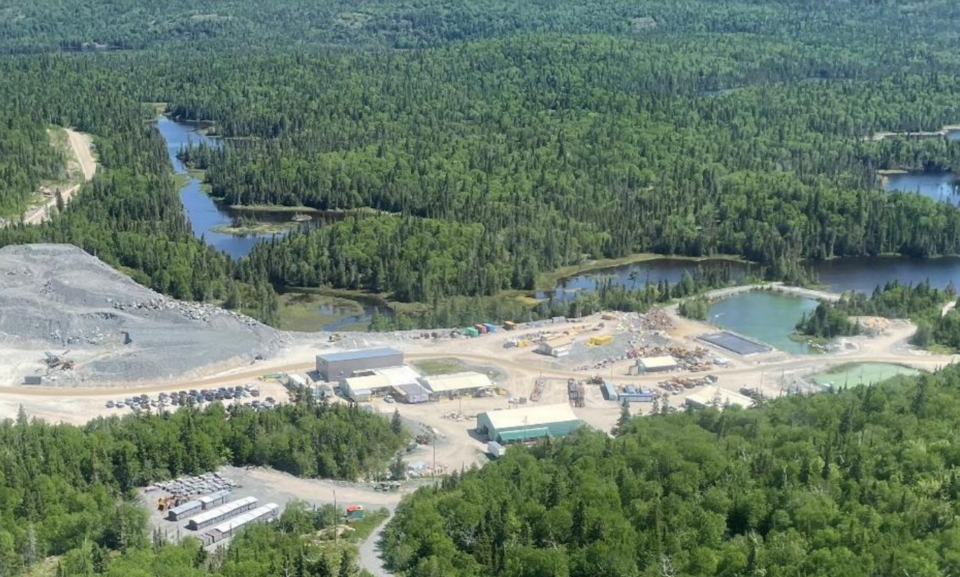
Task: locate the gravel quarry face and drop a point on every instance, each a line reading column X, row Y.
column 58, row 298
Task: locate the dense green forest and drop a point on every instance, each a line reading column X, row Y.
column 489, row 143
column 559, row 148
column 27, row 157
column 860, row 483
column 827, row 321
column 65, row 488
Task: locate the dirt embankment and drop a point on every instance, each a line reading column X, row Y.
column 775, row 287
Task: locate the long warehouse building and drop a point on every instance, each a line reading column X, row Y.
column 527, row 423
column 266, row 513
column 343, row 364
column 221, row 513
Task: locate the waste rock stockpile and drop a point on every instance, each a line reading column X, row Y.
column 59, row 298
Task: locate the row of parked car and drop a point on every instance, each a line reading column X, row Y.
column 191, row 397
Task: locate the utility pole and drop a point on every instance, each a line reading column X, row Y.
column 336, row 520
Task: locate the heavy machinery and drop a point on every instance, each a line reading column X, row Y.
column 55, row 361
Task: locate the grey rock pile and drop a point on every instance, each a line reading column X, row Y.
column 59, row 297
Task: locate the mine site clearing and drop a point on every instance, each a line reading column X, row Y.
column 215, row 506
column 86, row 339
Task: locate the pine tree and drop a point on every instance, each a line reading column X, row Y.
column 624, row 416
column 396, row 423
column 398, row 469
column 346, row 565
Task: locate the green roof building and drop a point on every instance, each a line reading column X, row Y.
column 527, row 423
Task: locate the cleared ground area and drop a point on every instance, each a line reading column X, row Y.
column 269, row 486
column 112, row 330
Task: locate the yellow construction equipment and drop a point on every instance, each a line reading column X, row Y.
column 600, row 340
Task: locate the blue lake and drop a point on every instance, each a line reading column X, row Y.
column 202, row 211
column 938, row 186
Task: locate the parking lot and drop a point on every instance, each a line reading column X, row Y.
column 239, row 394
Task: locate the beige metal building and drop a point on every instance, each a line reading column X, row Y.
column 456, row 384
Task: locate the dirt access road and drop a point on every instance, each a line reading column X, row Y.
column 82, row 147
column 369, row 556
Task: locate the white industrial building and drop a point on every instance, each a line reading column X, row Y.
column 378, row 382
column 656, row 364
column 456, row 384
column 713, row 396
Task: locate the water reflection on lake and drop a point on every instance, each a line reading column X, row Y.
column 865, row 273
column 938, row 186
column 638, row 274
column 206, row 215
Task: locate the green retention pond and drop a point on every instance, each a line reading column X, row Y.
column 764, row 316
column 853, row 374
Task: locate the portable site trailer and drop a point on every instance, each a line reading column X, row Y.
column 221, row 513
column 632, row 394
column 259, row 515
column 609, row 391
column 496, row 450
column 214, row 499
column 184, row 510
